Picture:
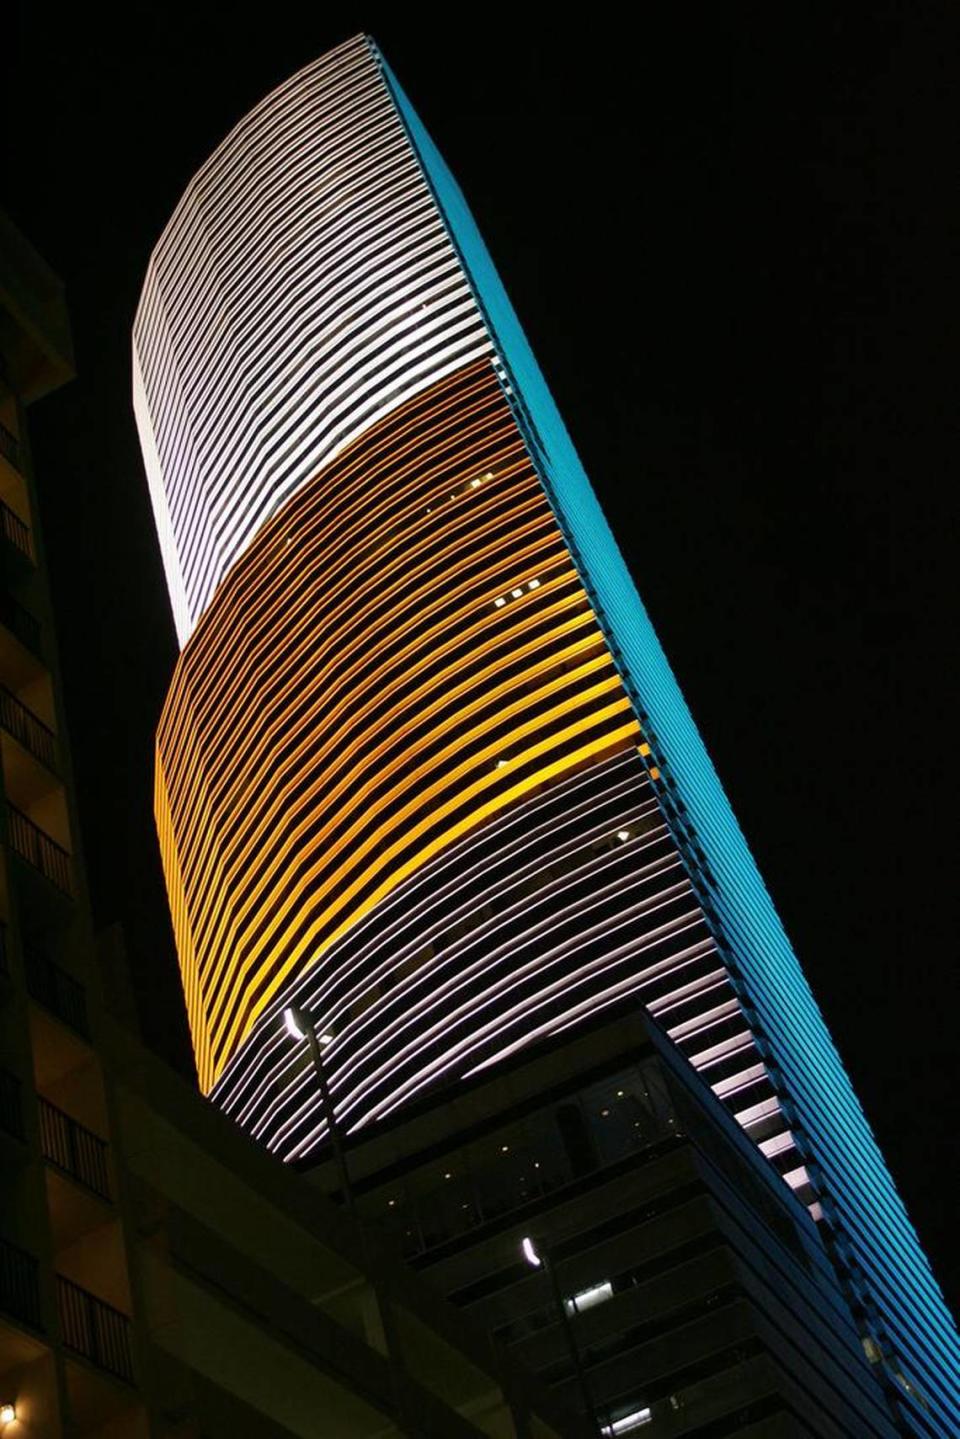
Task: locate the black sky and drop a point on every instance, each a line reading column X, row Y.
column 732, row 249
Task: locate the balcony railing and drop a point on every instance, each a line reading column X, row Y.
column 11, row 1113
column 19, row 1286
column 10, row 447
column 57, row 991
column 14, row 529
column 24, row 725
column 37, row 848
column 74, row 1149
column 94, row 1329
column 20, row 622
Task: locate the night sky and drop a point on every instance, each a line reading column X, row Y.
column 732, row 250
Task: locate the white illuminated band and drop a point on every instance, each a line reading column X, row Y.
column 382, row 1062
column 305, row 287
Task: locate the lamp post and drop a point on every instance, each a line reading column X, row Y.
column 540, row 1259
column 300, row 1026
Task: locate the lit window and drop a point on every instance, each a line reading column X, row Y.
column 533, row 585
column 628, row 1423
column 623, row 835
column 474, row 484
column 516, row 594
column 587, row 1298
column 499, row 603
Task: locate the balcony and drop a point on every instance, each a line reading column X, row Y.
column 74, row 1149
column 94, row 1330
column 31, row 843
column 15, row 531
column 57, row 991
column 10, row 448
column 11, row 1114
column 21, row 623
column 19, row 1286
column 27, row 728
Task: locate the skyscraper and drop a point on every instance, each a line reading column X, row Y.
column 423, row 768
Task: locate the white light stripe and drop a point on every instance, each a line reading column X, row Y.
column 281, row 314
column 380, row 1059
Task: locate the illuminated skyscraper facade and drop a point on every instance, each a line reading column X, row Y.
column 423, row 768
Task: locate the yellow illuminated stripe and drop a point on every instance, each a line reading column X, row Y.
column 441, row 810
column 385, row 769
column 555, row 770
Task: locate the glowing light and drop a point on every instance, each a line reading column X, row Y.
column 588, row 1298
column 8, row 1413
column 529, row 1252
column 628, row 1423
column 292, row 1024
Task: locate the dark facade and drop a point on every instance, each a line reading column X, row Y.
column 699, row 1292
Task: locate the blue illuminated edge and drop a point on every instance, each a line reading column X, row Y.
column 860, row 1196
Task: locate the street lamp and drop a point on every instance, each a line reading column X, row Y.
column 299, row 1025
column 539, row 1258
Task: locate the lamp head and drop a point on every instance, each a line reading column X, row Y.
column 529, row 1252
column 293, row 1022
